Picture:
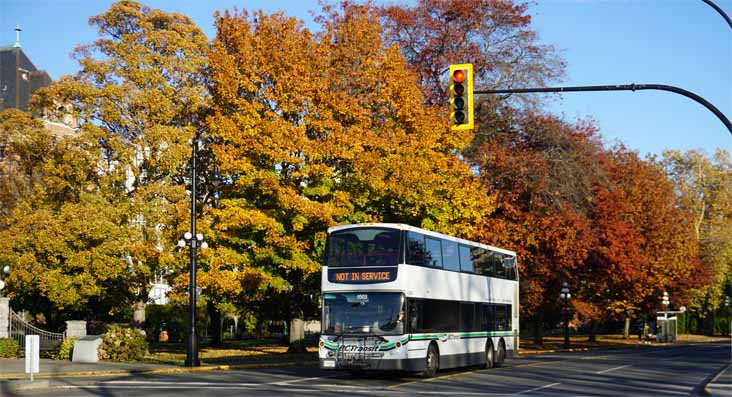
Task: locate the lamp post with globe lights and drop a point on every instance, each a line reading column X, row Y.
column 195, row 243
column 665, row 320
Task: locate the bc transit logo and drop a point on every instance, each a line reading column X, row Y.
column 358, row 348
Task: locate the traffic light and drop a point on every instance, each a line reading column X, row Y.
column 461, row 96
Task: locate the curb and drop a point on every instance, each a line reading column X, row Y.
column 540, row 352
column 20, row 381
column 609, row 347
column 14, row 386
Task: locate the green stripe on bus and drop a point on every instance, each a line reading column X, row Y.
column 483, row 334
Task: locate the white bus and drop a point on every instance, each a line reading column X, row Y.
column 397, row 297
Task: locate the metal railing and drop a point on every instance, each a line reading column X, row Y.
column 19, row 328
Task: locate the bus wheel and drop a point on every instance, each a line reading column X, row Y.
column 501, row 355
column 433, row 362
column 489, row 355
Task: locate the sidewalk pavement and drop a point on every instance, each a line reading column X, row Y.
column 15, row 368
column 720, row 385
column 54, row 372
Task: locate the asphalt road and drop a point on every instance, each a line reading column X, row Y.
column 649, row 371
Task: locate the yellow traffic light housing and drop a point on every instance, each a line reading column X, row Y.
column 461, row 96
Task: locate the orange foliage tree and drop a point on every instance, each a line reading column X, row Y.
column 311, row 130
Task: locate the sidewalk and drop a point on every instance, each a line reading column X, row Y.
column 15, row 368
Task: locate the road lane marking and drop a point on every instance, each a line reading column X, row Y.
column 612, row 369
column 537, row 388
column 285, row 382
column 171, row 383
column 358, row 390
column 431, row 379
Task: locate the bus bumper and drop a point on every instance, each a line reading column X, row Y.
column 375, row 364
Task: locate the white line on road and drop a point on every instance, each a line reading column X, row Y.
column 612, row 369
column 285, row 382
column 536, row 389
column 330, row 388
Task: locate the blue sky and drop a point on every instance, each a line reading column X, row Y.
column 684, row 43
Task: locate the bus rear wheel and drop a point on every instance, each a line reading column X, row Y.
column 432, row 363
column 489, row 355
column 501, row 355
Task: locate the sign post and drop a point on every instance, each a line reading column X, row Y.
column 32, row 354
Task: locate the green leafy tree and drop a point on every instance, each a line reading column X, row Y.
column 139, row 97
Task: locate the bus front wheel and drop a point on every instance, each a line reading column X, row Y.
column 489, row 355
column 432, row 362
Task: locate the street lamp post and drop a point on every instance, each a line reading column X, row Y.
column 665, row 302
column 726, row 314
column 188, row 239
column 565, row 295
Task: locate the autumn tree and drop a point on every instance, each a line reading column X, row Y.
column 140, row 94
column 65, row 260
column 704, row 188
column 494, row 35
column 647, row 245
column 315, row 129
column 24, row 143
column 542, row 170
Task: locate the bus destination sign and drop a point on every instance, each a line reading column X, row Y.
column 362, row 276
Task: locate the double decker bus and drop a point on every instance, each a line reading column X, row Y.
column 397, row 297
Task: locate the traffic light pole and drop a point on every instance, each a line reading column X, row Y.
column 626, row 87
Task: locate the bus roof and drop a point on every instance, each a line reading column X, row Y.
column 402, row 226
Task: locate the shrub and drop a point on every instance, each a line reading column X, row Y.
column 9, row 348
column 66, row 349
column 122, row 344
column 172, row 318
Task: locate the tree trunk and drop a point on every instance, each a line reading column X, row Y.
column 593, row 330
column 215, row 325
column 538, row 336
column 709, row 324
column 626, row 329
column 297, row 327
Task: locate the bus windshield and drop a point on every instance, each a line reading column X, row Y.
column 363, row 313
column 363, row 247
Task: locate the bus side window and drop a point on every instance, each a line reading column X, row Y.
column 501, row 317
column 416, row 250
column 466, row 262
column 450, row 257
column 434, row 252
column 482, row 319
column 489, row 312
column 467, row 317
column 414, row 309
column 497, row 265
column 481, row 261
column 509, row 263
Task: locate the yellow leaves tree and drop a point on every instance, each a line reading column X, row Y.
column 138, row 98
column 311, row 130
column 704, row 189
